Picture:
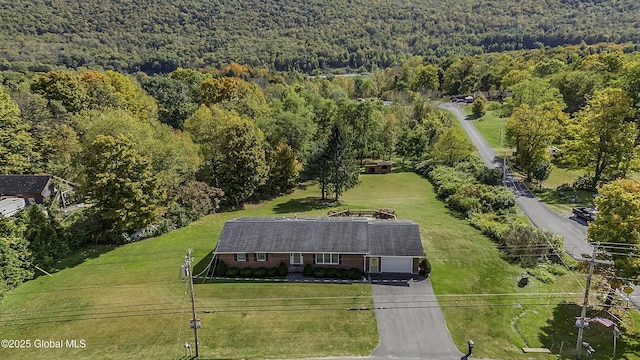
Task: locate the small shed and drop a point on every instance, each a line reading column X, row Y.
column 383, row 167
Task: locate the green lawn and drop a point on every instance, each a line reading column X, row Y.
column 491, row 126
column 131, row 303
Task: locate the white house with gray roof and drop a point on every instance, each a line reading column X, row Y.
column 371, row 245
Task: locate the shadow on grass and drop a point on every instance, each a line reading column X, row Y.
column 79, row 256
column 302, row 205
column 560, row 331
column 202, row 265
column 570, row 198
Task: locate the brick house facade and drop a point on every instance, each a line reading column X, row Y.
column 370, row 245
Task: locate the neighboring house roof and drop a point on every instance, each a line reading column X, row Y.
column 23, row 184
column 10, row 206
column 346, row 235
column 379, row 163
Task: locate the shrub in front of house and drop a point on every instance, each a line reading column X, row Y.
column 220, row 268
column 307, row 270
column 282, row 270
column 354, row 274
column 341, row 273
column 260, row 272
column 272, row 272
column 332, row 272
column 246, row 272
column 319, row 272
column 232, row 272
column 424, row 267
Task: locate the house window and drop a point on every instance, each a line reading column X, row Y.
column 326, row 258
column 384, row 167
column 241, row 257
column 261, row 256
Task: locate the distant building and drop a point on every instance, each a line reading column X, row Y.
column 10, row 206
column 383, row 167
column 31, row 188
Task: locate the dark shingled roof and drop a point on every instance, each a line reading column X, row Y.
column 344, row 235
column 23, row 184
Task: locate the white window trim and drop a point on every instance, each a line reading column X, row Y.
column 334, row 259
column 292, row 257
column 264, row 257
column 241, row 257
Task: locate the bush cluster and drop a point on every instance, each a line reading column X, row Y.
column 473, row 190
column 468, row 187
column 333, row 273
column 222, row 270
column 474, row 198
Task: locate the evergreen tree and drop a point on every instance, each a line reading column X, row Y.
column 343, row 171
column 15, row 267
column 44, row 234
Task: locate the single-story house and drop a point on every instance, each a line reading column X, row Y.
column 383, row 167
column 372, row 245
column 32, row 188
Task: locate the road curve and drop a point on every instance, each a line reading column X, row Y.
column 540, row 215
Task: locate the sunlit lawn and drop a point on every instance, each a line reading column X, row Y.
column 131, row 303
column 491, row 126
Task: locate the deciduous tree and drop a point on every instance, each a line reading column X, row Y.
column 426, row 78
column 478, row 108
column 16, row 143
column 365, row 121
column 63, row 87
column 602, row 136
column 531, row 129
column 531, row 92
column 452, row 147
column 618, row 221
column 239, row 165
column 121, row 184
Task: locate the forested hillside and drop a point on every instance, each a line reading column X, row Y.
column 159, row 36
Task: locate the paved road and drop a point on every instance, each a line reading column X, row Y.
column 540, row 215
column 410, row 323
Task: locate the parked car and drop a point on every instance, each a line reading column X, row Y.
column 585, row 213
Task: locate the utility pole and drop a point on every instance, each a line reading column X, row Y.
column 586, row 301
column 187, row 267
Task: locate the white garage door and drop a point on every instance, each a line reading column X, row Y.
column 397, row 264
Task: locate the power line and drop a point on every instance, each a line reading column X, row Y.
column 456, row 299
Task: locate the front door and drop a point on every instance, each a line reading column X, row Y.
column 295, row 258
column 374, row 265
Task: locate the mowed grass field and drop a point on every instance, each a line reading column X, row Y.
column 130, row 302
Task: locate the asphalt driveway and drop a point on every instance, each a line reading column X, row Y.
column 410, row 322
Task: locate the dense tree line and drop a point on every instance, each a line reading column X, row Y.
column 164, row 150
column 164, row 35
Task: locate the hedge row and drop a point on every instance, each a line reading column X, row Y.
column 261, row 272
column 332, row 272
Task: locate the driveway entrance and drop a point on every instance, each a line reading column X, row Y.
column 410, row 322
